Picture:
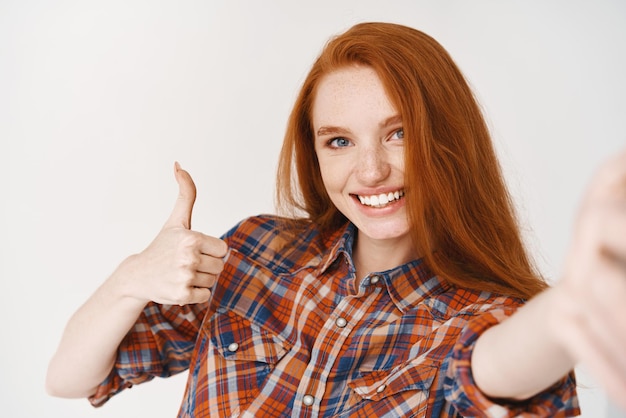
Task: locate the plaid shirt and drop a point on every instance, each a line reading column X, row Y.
column 290, row 331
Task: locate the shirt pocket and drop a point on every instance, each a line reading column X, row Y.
column 239, row 357
column 388, row 392
column 236, row 338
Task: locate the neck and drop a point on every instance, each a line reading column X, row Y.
column 370, row 255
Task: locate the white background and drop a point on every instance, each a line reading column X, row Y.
column 98, row 99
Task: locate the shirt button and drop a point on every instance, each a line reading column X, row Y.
column 232, row 347
column 341, row 322
column 381, row 388
column 308, row 400
column 375, row 279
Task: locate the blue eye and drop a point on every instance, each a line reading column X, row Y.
column 339, row 142
column 399, row 134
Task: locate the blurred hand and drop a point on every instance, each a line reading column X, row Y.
column 180, row 266
column 591, row 307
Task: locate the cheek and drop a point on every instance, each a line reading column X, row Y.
column 398, row 159
column 332, row 176
column 330, row 184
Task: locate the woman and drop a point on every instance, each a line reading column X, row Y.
column 385, row 292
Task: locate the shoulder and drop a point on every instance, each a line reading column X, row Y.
column 279, row 243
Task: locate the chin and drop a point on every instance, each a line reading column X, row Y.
column 385, row 232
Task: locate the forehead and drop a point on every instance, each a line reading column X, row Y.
column 350, row 91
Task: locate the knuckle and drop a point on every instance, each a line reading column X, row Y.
column 186, row 276
column 188, row 260
column 219, row 266
column 218, row 246
column 192, row 262
column 222, row 248
column 190, row 239
column 212, row 280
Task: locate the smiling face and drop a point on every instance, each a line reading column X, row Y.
column 359, row 142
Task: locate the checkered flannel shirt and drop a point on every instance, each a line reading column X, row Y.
column 290, row 331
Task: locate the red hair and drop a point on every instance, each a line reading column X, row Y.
column 461, row 214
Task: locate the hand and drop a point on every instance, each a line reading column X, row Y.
column 591, row 309
column 180, row 266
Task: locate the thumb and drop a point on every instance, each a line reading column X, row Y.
column 181, row 214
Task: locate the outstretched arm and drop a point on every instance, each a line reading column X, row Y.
column 178, row 267
column 581, row 319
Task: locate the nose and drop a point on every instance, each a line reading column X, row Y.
column 373, row 165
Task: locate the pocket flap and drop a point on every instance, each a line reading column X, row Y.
column 236, row 338
column 379, row 384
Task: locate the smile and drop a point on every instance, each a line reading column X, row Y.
column 381, row 200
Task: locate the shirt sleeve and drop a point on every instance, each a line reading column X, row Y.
column 160, row 344
column 559, row 400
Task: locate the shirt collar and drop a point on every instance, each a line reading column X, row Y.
column 338, row 244
column 407, row 285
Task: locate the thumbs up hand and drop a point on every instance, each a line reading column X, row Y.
column 180, row 266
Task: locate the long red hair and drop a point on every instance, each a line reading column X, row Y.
column 461, row 213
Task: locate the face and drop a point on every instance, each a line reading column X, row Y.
column 359, row 143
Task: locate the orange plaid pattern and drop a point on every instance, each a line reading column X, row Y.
column 290, row 331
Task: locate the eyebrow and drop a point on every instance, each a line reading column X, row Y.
column 331, row 130
column 336, row 130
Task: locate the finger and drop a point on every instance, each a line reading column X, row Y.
column 204, row 280
column 209, row 264
column 186, row 295
column 196, row 295
column 214, row 247
column 181, row 214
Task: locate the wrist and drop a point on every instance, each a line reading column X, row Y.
column 121, row 285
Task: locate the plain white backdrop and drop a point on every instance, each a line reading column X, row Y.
column 99, row 98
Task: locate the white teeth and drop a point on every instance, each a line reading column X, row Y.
column 381, row 199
